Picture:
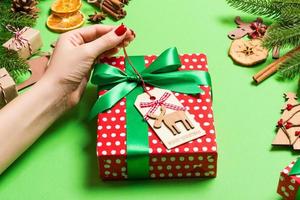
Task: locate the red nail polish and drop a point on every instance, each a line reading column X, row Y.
column 120, row 30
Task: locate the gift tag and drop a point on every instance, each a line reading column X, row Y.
column 173, row 124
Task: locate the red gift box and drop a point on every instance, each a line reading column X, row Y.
column 197, row 158
column 288, row 185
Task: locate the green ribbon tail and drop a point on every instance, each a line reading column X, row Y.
column 111, row 97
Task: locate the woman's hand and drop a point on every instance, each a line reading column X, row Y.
column 75, row 53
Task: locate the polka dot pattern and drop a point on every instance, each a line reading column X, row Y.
column 288, row 185
column 197, row 158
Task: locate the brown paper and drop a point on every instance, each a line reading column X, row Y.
column 8, row 89
column 34, row 39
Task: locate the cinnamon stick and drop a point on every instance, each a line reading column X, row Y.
column 273, row 67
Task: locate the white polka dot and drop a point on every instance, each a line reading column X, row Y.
column 104, row 152
column 122, row 118
column 183, row 66
column 100, row 127
column 149, row 133
column 108, row 143
column 150, row 150
column 214, row 148
column 204, row 107
column 113, row 63
column 291, row 187
column 204, row 148
column 209, row 115
column 199, row 140
column 186, row 149
column 206, row 124
column 159, row 150
column 176, row 94
column 113, row 135
column 199, row 100
column 117, row 110
column 176, row 149
column 146, row 61
column 99, row 144
column 194, row 60
column 195, row 149
column 208, row 140
column 113, row 152
column 191, row 67
column 117, row 126
column 181, row 101
column 201, row 115
column 117, row 143
column 108, row 127
column 122, row 134
column 212, row 131
column 104, row 119
column 122, row 103
column 122, row 151
column 199, row 66
column 154, row 141
column 186, row 60
column 202, row 60
column 104, row 135
column 191, row 100
column 285, row 171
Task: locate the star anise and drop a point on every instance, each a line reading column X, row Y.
column 97, row 17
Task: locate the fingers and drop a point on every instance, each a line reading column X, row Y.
column 109, row 40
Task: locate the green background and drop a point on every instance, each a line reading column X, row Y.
column 62, row 163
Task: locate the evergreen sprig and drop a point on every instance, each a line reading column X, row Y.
column 10, row 59
column 284, row 32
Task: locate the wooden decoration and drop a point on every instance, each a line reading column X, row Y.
column 171, row 119
column 289, row 124
column 37, row 67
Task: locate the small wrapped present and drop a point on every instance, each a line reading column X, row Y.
column 128, row 147
column 25, row 41
column 289, row 181
column 8, row 89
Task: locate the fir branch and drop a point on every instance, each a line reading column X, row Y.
column 282, row 35
column 291, row 67
column 256, row 7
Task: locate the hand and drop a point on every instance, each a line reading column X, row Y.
column 75, row 53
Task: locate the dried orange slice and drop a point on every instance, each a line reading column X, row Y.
column 62, row 24
column 66, row 6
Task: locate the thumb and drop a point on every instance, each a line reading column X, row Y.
column 107, row 41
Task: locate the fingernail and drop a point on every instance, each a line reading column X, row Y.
column 120, row 30
column 132, row 32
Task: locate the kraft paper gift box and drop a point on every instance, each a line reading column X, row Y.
column 197, row 158
column 28, row 42
column 8, row 89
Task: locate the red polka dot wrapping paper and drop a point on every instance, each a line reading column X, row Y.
column 197, row 158
column 288, row 186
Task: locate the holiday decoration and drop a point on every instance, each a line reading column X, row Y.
column 283, row 32
column 113, row 8
column 273, row 67
column 7, row 88
column 15, row 65
column 27, row 7
column 97, row 17
column 288, row 125
column 121, row 128
column 247, row 52
column 289, row 181
column 37, row 67
column 25, row 42
column 255, row 29
column 65, row 16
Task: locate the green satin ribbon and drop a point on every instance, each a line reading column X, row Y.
column 295, row 170
column 162, row 73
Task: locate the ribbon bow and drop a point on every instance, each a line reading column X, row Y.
column 156, row 103
column 18, row 39
column 162, row 73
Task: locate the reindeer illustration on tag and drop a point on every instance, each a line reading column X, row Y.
column 171, row 119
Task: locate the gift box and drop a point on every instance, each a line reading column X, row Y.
column 25, row 41
column 8, row 89
column 289, row 181
column 196, row 158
